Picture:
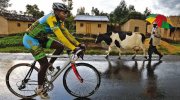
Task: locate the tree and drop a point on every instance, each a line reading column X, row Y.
column 69, row 23
column 81, row 11
column 147, row 12
column 111, row 18
column 13, row 12
column 34, row 10
column 121, row 12
column 70, row 4
column 95, row 11
column 103, row 14
column 3, row 5
column 135, row 15
column 131, row 8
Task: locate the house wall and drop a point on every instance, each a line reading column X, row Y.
column 175, row 20
column 132, row 23
column 3, row 26
column 176, row 23
column 90, row 27
column 126, row 27
column 14, row 28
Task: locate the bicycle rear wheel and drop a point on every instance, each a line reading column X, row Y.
column 16, row 83
column 91, row 80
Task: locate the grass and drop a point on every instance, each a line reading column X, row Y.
column 163, row 49
column 176, row 44
column 19, row 49
column 13, row 44
column 13, row 49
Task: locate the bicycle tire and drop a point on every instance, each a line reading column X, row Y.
column 8, row 76
column 84, row 70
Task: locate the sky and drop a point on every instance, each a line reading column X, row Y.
column 165, row 7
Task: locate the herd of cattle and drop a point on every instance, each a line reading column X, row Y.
column 123, row 40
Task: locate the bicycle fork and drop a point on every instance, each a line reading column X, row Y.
column 73, row 66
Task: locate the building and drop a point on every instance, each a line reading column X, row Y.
column 86, row 24
column 134, row 25
column 174, row 33
column 13, row 23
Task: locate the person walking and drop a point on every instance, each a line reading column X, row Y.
column 154, row 41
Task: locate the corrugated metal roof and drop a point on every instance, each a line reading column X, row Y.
column 91, row 18
column 16, row 17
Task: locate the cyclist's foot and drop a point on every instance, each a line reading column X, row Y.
column 42, row 94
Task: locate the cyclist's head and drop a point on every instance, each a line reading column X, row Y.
column 60, row 10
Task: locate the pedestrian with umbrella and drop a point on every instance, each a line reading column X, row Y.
column 154, row 41
column 158, row 21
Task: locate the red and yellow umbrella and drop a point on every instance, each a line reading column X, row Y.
column 161, row 20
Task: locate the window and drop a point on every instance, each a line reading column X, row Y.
column 81, row 24
column 18, row 24
column 99, row 25
column 29, row 25
column 136, row 29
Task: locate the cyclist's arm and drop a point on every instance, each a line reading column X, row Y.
column 59, row 33
column 68, row 35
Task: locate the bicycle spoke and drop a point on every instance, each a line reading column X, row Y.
column 16, row 83
column 91, row 80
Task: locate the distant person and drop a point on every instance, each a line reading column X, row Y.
column 154, row 41
column 36, row 39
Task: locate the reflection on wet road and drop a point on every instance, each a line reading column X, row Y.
column 121, row 80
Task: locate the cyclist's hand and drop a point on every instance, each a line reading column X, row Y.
column 82, row 46
column 79, row 52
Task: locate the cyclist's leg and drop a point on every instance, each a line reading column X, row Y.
column 37, row 51
column 43, row 61
column 53, row 44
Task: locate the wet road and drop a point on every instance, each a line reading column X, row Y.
column 121, row 79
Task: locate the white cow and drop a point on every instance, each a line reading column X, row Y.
column 123, row 40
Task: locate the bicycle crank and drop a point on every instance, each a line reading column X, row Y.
column 49, row 86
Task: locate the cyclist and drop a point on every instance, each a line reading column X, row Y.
column 36, row 39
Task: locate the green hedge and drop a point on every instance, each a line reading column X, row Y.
column 86, row 40
column 10, row 41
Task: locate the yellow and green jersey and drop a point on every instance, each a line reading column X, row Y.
column 48, row 24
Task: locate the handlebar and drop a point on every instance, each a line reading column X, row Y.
column 74, row 57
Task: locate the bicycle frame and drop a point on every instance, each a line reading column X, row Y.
column 70, row 61
column 26, row 79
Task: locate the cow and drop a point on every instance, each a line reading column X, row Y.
column 123, row 40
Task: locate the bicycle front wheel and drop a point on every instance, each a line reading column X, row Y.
column 91, row 80
column 16, row 82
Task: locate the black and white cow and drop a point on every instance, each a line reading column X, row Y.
column 123, row 40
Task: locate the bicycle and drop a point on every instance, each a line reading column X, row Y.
column 79, row 79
